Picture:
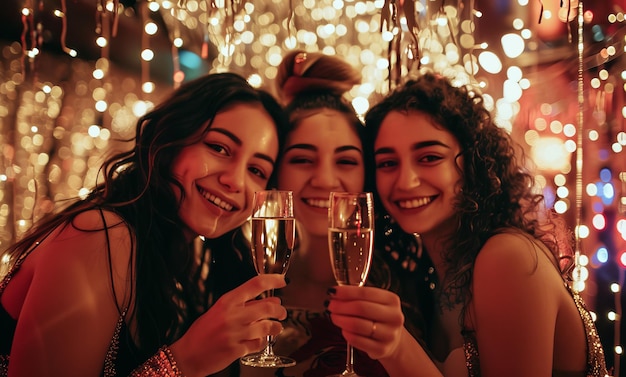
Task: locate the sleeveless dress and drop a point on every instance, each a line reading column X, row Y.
column 121, row 357
column 596, row 365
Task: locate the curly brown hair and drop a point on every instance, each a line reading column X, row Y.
column 496, row 191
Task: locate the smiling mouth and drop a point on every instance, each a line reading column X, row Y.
column 221, row 203
column 415, row 203
column 318, row 203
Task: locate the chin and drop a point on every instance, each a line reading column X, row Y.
column 317, row 230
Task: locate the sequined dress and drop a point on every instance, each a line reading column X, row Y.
column 596, row 365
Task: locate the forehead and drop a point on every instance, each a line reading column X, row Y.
column 327, row 127
column 407, row 128
column 250, row 123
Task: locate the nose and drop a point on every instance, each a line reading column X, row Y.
column 233, row 177
column 408, row 177
column 325, row 176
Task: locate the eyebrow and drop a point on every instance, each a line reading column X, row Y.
column 419, row 145
column 311, row 147
column 238, row 141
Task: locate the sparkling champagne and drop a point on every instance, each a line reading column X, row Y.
column 272, row 244
column 351, row 254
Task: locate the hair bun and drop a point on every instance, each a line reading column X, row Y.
column 301, row 72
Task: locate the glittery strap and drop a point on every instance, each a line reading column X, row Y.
column 4, row 365
column 161, row 364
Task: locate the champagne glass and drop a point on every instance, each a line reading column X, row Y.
column 273, row 237
column 351, row 240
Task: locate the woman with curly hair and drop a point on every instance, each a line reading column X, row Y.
column 117, row 285
column 503, row 302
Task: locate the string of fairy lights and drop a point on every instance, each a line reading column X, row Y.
column 54, row 132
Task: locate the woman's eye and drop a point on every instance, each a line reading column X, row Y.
column 217, row 148
column 430, row 158
column 300, row 160
column 258, row 172
column 347, row 162
column 385, row 164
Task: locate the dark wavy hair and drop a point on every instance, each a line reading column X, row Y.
column 138, row 186
column 496, row 192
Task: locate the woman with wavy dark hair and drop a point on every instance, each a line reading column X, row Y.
column 116, row 284
column 503, row 302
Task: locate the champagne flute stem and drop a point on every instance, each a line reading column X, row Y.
column 349, row 361
column 269, row 348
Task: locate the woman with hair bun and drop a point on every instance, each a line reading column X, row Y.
column 323, row 152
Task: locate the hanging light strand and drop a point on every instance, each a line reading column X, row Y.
column 579, row 146
column 29, row 37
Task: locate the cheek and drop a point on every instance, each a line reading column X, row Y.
column 453, row 178
column 187, row 162
column 251, row 188
column 383, row 184
column 354, row 181
column 290, row 178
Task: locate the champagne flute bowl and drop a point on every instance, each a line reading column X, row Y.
column 351, row 241
column 273, row 238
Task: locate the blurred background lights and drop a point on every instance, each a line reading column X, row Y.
column 93, row 131
column 611, row 316
column 615, row 288
column 151, row 28
column 360, row 105
column 255, row 80
column 101, row 106
column 599, row 221
column 513, row 45
column 602, row 254
column 147, row 54
column 622, row 259
column 560, row 206
column 516, row 68
column 101, row 41
column 490, row 62
column 583, row 231
column 148, row 87
column 549, row 154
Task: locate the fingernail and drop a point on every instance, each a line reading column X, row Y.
column 331, row 291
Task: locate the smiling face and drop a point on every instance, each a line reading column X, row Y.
column 322, row 154
column 416, row 172
column 221, row 173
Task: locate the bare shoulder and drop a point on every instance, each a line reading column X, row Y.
column 76, row 282
column 97, row 243
column 93, row 230
column 514, row 264
column 513, row 251
column 95, row 220
column 517, row 297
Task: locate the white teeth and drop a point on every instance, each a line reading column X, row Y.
column 217, row 201
column 414, row 203
column 318, row 203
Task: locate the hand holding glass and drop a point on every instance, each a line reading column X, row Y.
column 273, row 238
column 351, row 240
